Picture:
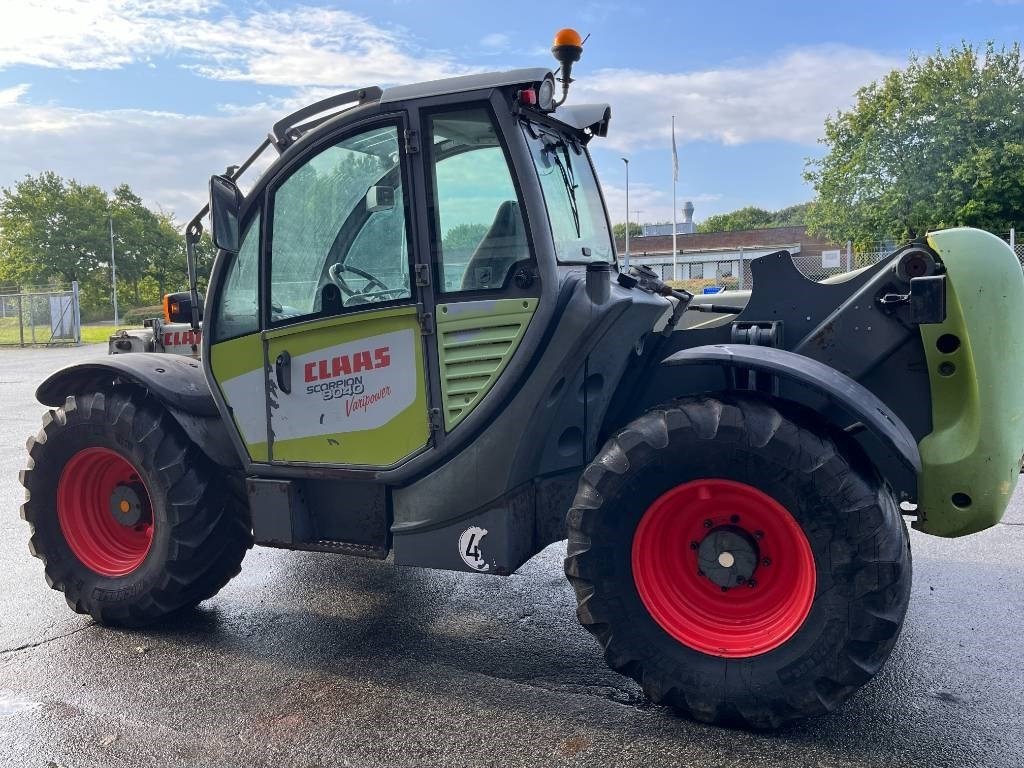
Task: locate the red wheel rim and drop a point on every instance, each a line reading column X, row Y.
column 91, row 481
column 671, row 577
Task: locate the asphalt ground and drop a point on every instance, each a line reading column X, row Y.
column 319, row 660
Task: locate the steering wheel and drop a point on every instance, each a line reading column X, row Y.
column 335, row 273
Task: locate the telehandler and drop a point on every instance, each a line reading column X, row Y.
column 417, row 340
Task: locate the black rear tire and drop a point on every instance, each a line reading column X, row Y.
column 861, row 558
column 199, row 531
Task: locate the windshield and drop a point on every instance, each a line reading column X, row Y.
column 578, row 222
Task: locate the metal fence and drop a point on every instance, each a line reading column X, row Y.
column 1016, row 244
column 840, row 260
column 43, row 316
column 820, row 267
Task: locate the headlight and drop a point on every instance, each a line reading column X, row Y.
column 546, row 94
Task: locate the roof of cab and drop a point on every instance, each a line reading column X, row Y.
column 464, row 83
column 580, row 116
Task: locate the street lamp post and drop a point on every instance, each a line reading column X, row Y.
column 113, row 268
column 626, row 260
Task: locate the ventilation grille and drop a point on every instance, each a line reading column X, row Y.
column 475, row 344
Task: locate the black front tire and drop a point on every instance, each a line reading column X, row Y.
column 200, row 532
column 855, row 531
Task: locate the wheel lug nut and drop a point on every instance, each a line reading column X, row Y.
column 740, row 580
column 752, row 583
column 766, row 561
column 707, row 523
column 694, row 545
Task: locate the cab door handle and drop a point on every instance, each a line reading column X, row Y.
column 283, row 371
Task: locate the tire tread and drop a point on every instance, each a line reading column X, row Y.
column 208, row 528
column 806, row 455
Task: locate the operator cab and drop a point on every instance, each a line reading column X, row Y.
column 395, row 268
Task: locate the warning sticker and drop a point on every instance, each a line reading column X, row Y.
column 349, row 387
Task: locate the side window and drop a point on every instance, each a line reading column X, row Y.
column 479, row 223
column 238, row 310
column 339, row 230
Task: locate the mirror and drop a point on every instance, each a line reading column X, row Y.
column 225, row 204
column 380, row 198
column 178, row 307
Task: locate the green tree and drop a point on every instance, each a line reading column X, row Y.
column 55, row 231
column 744, row 218
column 165, row 270
column 939, row 143
column 52, row 230
column 619, row 230
column 753, row 217
column 793, row 216
column 463, row 237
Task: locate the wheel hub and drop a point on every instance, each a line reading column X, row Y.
column 728, row 556
column 126, row 506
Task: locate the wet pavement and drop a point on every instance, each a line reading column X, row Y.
column 319, row 660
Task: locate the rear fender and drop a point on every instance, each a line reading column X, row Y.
column 837, row 398
column 177, row 382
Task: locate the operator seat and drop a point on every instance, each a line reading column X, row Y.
column 504, row 244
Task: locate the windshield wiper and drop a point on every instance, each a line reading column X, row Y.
column 568, row 178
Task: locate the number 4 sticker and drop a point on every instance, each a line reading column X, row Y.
column 469, row 548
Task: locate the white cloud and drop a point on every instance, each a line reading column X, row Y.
column 83, row 34
column 494, row 42
column 12, row 95
column 165, row 157
column 654, row 203
column 310, row 46
column 303, row 46
column 786, row 97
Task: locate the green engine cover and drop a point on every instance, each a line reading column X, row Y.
column 971, row 460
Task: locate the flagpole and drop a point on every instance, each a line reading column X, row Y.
column 675, row 178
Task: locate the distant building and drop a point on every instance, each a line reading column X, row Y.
column 723, row 258
column 684, row 227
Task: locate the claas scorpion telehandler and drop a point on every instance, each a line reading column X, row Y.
column 417, row 341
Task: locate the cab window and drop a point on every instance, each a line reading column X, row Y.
column 238, row 309
column 339, row 237
column 479, row 231
column 579, row 225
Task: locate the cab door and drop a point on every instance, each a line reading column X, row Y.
column 345, row 375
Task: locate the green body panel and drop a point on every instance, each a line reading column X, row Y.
column 475, row 341
column 971, row 460
column 405, row 431
column 230, row 361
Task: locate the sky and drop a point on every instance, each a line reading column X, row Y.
column 161, row 93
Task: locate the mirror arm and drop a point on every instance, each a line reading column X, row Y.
column 237, row 171
column 193, row 232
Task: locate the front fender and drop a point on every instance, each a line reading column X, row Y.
column 972, row 457
column 177, row 382
column 838, row 398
